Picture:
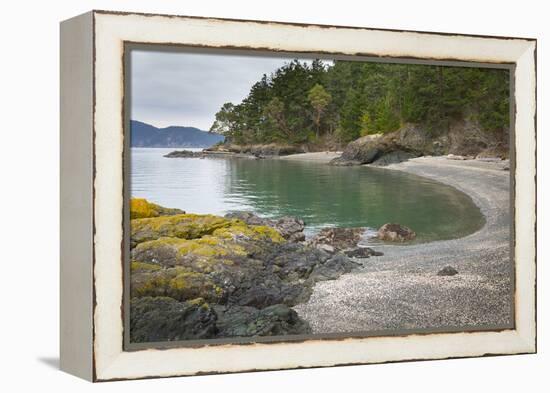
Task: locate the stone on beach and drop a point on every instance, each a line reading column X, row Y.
column 402, row 291
column 395, row 233
column 447, row 271
column 363, row 252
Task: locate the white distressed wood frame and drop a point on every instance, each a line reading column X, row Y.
column 92, row 230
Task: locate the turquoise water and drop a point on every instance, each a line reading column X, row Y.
column 321, row 195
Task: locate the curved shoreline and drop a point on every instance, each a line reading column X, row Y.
column 401, row 290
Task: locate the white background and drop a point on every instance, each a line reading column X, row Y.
column 29, row 196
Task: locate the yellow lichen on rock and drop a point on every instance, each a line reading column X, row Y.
column 178, row 283
column 136, row 266
column 184, row 226
column 169, row 251
column 142, row 208
column 239, row 229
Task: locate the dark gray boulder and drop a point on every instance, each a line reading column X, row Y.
column 401, row 145
column 275, row 320
column 363, row 252
column 332, row 268
column 361, row 151
column 165, row 319
column 447, row 271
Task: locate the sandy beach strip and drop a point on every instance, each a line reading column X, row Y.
column 401, row 290
column 322, row 156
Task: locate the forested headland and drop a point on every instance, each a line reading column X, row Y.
column 320, row 103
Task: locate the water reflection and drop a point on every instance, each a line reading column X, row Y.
column 320, row 194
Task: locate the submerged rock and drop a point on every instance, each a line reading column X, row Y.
column 395, row 233
column 447, row 271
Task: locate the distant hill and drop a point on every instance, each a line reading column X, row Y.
column 146, row 135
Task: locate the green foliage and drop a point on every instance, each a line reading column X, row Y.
column 302, row 101
column 319, row 99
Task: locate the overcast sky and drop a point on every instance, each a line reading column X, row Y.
column 187, row 89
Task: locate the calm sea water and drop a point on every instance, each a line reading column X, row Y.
column 321, row 195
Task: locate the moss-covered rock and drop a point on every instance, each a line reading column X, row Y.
column 137, row 267
column 250, row 274
column 178, row 283
column 142, row 208
column 183, row 226
column 172, row 251
column 238, row 230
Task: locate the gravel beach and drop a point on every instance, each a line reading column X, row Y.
column 401, row 290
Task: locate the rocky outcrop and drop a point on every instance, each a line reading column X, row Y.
column 243, row 321
column 272, row 149
column 141, row 208
column 183, row 226
column 291, row 228
column 462, row 138
column 361, row 151
column 382, row 149
column 184, row 154
column 231, row 276
column 395, row 233
column 190, row 320
column 332, row 268
column 198, row 320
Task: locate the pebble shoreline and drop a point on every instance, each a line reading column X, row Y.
column 401, row 290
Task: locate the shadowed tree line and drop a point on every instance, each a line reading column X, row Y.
column 305, row 102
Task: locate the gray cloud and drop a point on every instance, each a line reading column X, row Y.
column 187, row 89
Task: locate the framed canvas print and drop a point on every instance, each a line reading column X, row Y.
column 248, row 195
